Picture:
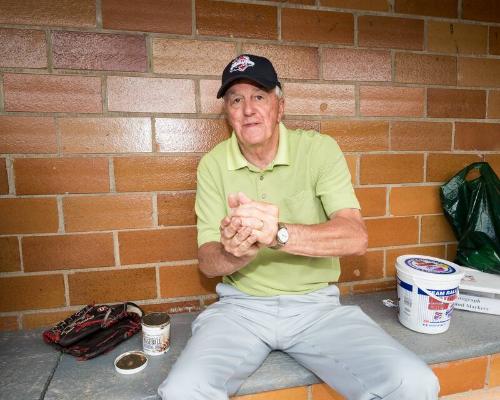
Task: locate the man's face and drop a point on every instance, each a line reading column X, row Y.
column 253, row 113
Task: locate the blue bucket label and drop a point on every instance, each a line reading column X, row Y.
column 430, row 266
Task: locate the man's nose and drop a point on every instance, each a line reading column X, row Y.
column 248, row 107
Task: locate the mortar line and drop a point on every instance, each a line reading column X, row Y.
column 149, row 54
column 60, row 213
column 58, row 137
column 193, row 18
column 2, row 105
column 116, row 249
column 48, row 38
column 154, row 206
column 154, row 141
column 51, row 376
column 98, row 14
column 104, row 94
column 278, row 23
column 356, row 39
column 11, row 180
column 157, row 277
column 111, row 168
column 21, row 258
column 66, row 289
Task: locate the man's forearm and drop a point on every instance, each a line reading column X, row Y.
column 215, row 261
column 339, row 236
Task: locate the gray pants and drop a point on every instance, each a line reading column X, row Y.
column 340, row 344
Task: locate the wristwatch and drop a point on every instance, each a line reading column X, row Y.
column 281, row 236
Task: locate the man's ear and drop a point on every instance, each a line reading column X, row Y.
column 281, row 108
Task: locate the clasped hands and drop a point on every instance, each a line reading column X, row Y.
column 249, row 226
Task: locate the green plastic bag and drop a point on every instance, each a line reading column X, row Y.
column 473, row 209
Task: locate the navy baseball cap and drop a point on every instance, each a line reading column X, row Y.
column 253, row 68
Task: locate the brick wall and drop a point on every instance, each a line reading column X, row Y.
column 107, row 105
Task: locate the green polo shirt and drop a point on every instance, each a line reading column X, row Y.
column 308, row 180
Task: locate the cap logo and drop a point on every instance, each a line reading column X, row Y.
column 241, row 63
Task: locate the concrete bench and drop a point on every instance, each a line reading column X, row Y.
column 30, row 369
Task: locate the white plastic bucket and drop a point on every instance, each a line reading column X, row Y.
column 427, row 288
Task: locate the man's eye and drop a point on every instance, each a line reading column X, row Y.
column 259, row 97
column 236, row 100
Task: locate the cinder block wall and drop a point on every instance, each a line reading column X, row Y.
column 107, row 105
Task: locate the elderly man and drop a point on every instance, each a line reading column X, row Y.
column 276, row 209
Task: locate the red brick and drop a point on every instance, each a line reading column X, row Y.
column 78, row 13
column 358, row 135
column 48, row 253
column 372, row 201
column 461, row 375
column 446, row 37
column 4, row 182
column 360, row 268
column 319, row 99
column 494, row 40
column 479, row 72
column 40, row 291
column 27, row 135
column 144, row 174
column 98, row 213
column 98, row 51
column 370, row 5
column 494, row 161
column 306, row 125
column 10, row 259
column 393, row 254
column 484, row 10
column 50, row 93
column 44, row 319
column 23, row 48
column 8, row 324
column 176, row 208
column 392, row 231
column 441, row 167
column 394, row 33
column 167, row 16
column 321, row 391
column 150, row 95
column 477, row 136
column 294, row 393
column 179, row 56
column 185, row 280
column 236, row 20
column 391, row 101
column 380, row 286
column 312, row 26
column 494, row 104
column 138, row 247
column 456, row 103
column 284, row 59
column 494, row 370
column 441, row 8
column 423, row 68
column 436, row 228
column 190, row 135
column 28, row 215
column 210, row 104
column 112, row 286
column 358, row 65
column 105, row 135
column 414, row 200
column 409, row 135
column 391, row 168
column 61, row 175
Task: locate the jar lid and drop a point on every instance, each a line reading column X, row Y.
column 131, row 362
column 156, row 319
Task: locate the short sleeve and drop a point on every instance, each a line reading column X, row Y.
column 334, row 186
column 210, row 202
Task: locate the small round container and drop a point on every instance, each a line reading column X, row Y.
column 131, row 362
column 156, row 333
column 427, row 289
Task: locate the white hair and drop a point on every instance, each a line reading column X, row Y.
column 279, row 92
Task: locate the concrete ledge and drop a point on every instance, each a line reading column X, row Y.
column 30, row 367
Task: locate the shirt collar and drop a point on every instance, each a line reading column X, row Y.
column 236, row 160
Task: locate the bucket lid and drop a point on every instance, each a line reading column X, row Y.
column 428, row 267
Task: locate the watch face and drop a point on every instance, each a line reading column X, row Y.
column 283, row 235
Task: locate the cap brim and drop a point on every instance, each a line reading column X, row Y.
column 262, row 82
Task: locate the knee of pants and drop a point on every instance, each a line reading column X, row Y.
column 177, row 389
column 417, row 383
column 196, row 386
